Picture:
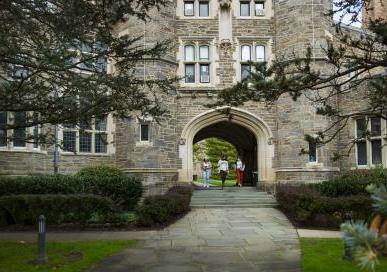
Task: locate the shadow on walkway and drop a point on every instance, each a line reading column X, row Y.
column 211, row 240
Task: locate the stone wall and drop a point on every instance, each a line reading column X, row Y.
column 377, row 9
column 294, row 25
column 32, row 163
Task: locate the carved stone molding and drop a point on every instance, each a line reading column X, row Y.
column 225, row 4
column 226, row 48
column 182, row 141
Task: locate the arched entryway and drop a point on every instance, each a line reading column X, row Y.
column 247, row 132
column 240, row 137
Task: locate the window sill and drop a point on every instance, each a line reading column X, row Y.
column 253, row 17
column 195, row 18
column 314, row 165
column 85, row 154
column 194, row 86
column 144, row 144
column 23, row 150
column 366, row 167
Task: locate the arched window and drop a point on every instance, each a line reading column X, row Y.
column 260, row 53
column 245, row 53
column 204, row 52
column 189, row 53
column 197, row 64
column 245, row 59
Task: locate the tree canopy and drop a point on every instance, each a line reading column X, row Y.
column 354, row 61
column 53, row 57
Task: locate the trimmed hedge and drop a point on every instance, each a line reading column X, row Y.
column 100, row 171
column 58, row 209
column 162, row 209
column 230, row 176
column 308, row 208
column 352, row 183
column 124, row 191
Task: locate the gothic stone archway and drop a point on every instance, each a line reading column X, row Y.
column 212, row 122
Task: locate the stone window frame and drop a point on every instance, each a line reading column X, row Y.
column 30, row 146
column 312, row 147
column 213, row 9
column 368, row 139
column 197, row 43
column 253, row 43
column 144, row 120
column 148, row 130
column 268, row 12
column 93, row 131
column 82, row 50
column 317, row 163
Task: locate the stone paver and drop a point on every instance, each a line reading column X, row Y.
column 307, row 233
column 211, row 240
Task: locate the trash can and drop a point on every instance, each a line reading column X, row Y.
column 255, row 178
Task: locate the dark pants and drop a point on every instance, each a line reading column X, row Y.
column 223, row 175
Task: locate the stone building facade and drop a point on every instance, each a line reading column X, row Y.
column 377, row 9
column 214, row 42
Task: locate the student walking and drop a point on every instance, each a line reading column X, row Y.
column 223, row 169
column 206, row 169
column 240, row 169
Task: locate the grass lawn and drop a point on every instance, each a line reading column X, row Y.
column 218, row 182
column 62, row 256
column 324, row 255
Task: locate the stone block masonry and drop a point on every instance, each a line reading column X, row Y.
column 279, row 129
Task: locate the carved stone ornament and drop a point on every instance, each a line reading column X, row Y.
column 270, row 141
column 182, row 141
column 225, row 4
column 225, row 48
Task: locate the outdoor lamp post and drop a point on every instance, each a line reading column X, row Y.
column 42, row 257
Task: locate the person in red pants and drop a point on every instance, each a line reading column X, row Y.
column 240, row 169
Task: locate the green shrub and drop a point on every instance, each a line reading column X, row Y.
column 352, row 183
column 161, row 209
column 58, row 209
column 101, row 171
column 231, row 175
column 124, row 191
column 182, row 189
column 306, row 207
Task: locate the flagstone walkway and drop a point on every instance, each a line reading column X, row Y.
column 212, row 240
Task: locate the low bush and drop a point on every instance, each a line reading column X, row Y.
column 124, row 191
column 162, row 209
column 100, row 171
column 58, row 209
column 231, row 175
column 306, row 207
column 352, row 183
column 182, row 189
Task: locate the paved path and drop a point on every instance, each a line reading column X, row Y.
column 211, row 240
column 308, row 233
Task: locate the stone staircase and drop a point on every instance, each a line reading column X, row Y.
column 231, row 197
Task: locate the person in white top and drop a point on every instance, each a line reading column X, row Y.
column 240, row 168
column 206, row 169
column 223, row 169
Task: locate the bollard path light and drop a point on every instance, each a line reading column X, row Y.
column 42, row 257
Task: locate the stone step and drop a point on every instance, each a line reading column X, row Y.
column 229, row 195
column 208, row 206
column 236, row 194
column 232, row 197
column 233, row 202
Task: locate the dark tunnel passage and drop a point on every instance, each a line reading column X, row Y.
column 242, row 138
